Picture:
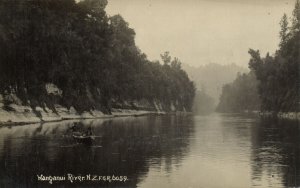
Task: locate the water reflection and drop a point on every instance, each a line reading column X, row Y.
column 123, row 146
column 276, row 153
column 232, row 150
column 221, row 150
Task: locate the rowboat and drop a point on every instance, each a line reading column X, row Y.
column 83, row 139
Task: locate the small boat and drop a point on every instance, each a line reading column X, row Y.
column 83, row 139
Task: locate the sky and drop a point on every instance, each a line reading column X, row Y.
column 199, row 32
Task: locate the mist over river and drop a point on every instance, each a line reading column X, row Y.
column 219, row 150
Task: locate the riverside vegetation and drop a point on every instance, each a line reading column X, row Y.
column 75, row 55
column 272, row 85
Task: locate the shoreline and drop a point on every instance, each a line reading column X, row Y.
column 279, row 115
column 16, row 113
column 120, row 113
column 12, row 123
column 24, row 117
column 28, row 117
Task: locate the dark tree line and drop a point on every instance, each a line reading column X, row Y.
column 278, row 80
column 90, row 56
column 278, row 75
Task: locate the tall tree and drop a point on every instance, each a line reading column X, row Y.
column 279, row 75
column 284, row 30
column 91, row 57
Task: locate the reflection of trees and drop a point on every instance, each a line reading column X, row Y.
column 129, row 147
column 276, row 151
column 18, row 163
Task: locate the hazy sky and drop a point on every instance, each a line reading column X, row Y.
column 203, row 31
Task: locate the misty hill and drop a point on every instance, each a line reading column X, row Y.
column 211, row 77
column 209, row 80
column 241, row 95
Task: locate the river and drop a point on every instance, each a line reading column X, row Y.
column 215, row 151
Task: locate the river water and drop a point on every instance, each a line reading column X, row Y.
column 216, row 151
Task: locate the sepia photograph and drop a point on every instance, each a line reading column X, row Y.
column 150, row 93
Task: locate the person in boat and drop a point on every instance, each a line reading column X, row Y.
column 75, row 130
column 89, row 132
column 74, row 127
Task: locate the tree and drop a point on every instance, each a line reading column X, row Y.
column 296, row 17
column 278, row 76
column 166, row 58
column 90, row 57
column 241, row 95
column 284, row 30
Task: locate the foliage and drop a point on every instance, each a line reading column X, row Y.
column 91, row 57
column 240, row 95
column 279, row 75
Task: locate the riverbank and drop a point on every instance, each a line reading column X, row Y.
column 17, row 115
column 282, row 115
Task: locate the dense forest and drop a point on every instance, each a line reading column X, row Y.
column 277, row 76
column 89, row 56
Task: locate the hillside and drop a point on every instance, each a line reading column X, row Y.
column 209, row 80
column 89, row 59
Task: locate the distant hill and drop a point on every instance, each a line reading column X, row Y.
column 211, row 77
